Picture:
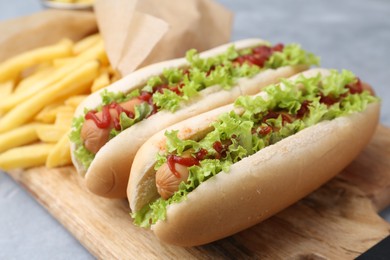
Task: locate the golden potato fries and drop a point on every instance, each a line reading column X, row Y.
column 14, row 66
column 64, row 117
column 70, row 85
column 74, row 101
column 86, row 43
column 102, row 81
column 60, row 154
column 58, row 63
column 74, row 1
column 17, row 137
column 49, row 113
column 41, row 90
column 6, row 88
column 35, row 79
column 95, row 53
column 25, row 156
column 51, row 133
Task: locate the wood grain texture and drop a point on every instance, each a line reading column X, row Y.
column 338, row 221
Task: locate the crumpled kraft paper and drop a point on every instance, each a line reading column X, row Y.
column 43, row 28
column 140, row 32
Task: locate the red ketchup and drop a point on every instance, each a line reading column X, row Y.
column 145, row 96
column 328, row 100
column 148, row 96
column 221, row 148
column 355, row 88
column 106, row 116
column 303, row 109
column 272, row 114
column 201, row 154
column 259, row 55
column 264, row 130
column 186, row 161
column 160, row 88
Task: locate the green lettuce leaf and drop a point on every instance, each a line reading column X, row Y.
column 118, row 97
column 291, row 55
column 142, row 111
column 168, row 100
column 84, row 156
column 238, row 129
column 201, row 73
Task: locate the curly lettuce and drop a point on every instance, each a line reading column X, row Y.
column 177, row 85
column 238, row 128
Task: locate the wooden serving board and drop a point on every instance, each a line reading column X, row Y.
column 338, row 221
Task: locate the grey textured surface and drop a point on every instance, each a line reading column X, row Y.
column 350, row 34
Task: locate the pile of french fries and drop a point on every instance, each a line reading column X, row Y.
column 74, row 1
column 40, row 90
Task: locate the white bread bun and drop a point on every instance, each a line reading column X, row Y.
column 263, row 184
column 141, row 188
column 109, row 172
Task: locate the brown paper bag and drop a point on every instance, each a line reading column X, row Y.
column 43, row 28
column 141, row 32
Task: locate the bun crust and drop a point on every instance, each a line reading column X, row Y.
column 265, row 183
column 108, row 173
column 141, row 188
column 258, row 186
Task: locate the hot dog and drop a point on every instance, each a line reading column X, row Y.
column 223, row 171
column 134, row 108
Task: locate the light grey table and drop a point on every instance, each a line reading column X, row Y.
column 350, row 34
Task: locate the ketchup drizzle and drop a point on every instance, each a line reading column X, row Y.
column 186, row 161
column 106, row 116
column 101, row 123
column 259, row 55
column 201, row 154
column 303, row 109
column 355, row 88
column 264, row 130
column 222, row 148
column 273, row 114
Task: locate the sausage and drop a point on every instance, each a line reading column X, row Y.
column 95, row 137
column 168, row 183
column 259, row 184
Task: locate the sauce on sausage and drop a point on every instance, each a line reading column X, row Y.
column 172, row 160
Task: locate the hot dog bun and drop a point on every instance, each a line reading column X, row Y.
column 256, row 187
column 109, row 171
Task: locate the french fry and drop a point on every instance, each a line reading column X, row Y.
column 85, row 75
column 20, row 136
column 35, row 69
column 102, row 81
column 36, row 78
column 49, row 112
column 115, row 75
column 6, row 88
column 72, row 84
column 85, row 1
column 14, row 66
column 25, row 156
column 62, row 61
column 46, row 85
column 97, row 52
column 74, row 101
column 86, row 43
column 64, row 117
column 60, row 154
column 51, row 133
